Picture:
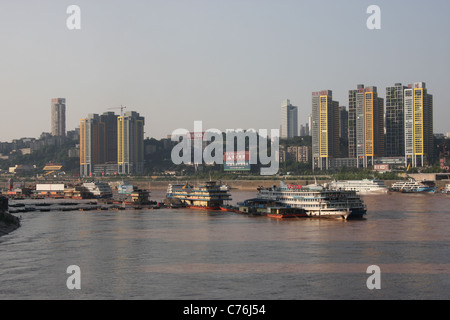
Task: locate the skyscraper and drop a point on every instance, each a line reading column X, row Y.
column 111, row 143
column 89, row 144
column 303, row 130
column 343, row 131
column 418, row 125
column 365, row 125
column 395, row 121
column 98, row 144
column 109, row 123
column 289, row 120
column 130, row 143
column 369, row 126
column 324, row 129
column 343, row 123
column 58, row 111
column 352, row 120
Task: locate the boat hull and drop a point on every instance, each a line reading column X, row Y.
column 287, row 216
column 204, row 208
column 419, row 190
column 338, row 214
column 228, row 209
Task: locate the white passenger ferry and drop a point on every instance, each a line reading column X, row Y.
column 316, row 200
column 361, row 186
column 98, row 189
column 446, row 189
column 413, row 186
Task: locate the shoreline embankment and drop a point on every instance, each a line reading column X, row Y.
column 238, row 184
column 8, row 222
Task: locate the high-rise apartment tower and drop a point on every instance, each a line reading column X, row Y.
column 130, row 143
column 58, row 111
column 324, row 129
column 418, row 125
column 369, row 126
column 395, row 121
column 289, row 120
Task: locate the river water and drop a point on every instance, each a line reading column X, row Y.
column 187, row 254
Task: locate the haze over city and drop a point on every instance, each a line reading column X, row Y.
column 228, row 63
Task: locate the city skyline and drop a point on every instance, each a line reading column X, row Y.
column 227, row 64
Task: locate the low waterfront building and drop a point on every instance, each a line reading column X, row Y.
column 50, row 190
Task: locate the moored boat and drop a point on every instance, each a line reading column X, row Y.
column 256, row 206
column 316, row 200
column 413, row 186
column 208, row 196
column 98, row 189
column 446, row 189
column 364, row 186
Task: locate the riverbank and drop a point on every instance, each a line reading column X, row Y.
column 242, row 185
column 237, row 184
column 8, row 223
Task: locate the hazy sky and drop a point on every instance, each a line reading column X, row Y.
column 229, row 63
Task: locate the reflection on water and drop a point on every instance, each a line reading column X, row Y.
column 188, row 254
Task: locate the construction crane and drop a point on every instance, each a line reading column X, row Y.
column 121, row 109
